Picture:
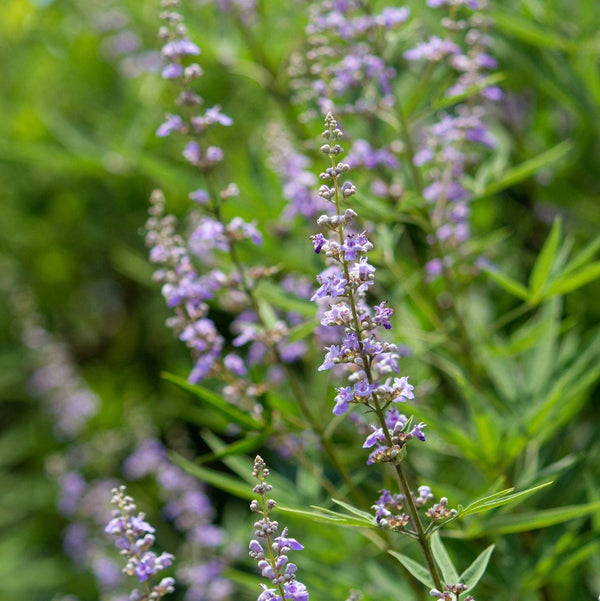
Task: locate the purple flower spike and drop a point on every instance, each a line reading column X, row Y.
column 141, row 562
column 273, row 565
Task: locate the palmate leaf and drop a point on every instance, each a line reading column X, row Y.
column 530, row 32
column 565, row 283
column 241, row 465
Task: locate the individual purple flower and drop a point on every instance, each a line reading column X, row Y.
column 403, row 388
column 318, row 242
column 177, row 49
column 363, row 388
column 200, row 196
column 333, row 353
column 382, row 315
column 172, row 71
column 174, row 123
column 192, row 153
column 235, row 364
column 417, row 431
column 342, row 400
column 242, row 230
column 332, row 284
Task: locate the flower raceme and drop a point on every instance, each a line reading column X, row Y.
column 134, row 537
column 214, row 244
column 272, row 554
column 369, row 361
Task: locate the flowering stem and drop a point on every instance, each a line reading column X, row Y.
column 464, row 338
column 292, row 377
column 375, row 404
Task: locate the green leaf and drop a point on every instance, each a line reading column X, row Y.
column 416, row 569
column 582, row 257
column 327, row 516
column 564, row 284
column 219, row 480
column 241, row 418
column 368, row 517
column 239, row 447
column 528, row 168
column 507, row 524
column 543, row 265
column 499, row 499
column 302, row 331
column 472, row 575
column 442, row 558
column 277, row 297
column 507, row 283
column 528, row 31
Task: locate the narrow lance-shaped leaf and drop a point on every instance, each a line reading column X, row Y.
column 245, row 445
column 507, row 283
column 219, row 480
column 506, row 524
column 564, row 284
column 214, row 400
column 528, row 168
column 499, row 499
column 327, row 516
column 416, row 569
column 543, row 265
column 472, row 575
column 442, row 558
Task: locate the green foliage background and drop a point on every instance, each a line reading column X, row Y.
column 78, row 159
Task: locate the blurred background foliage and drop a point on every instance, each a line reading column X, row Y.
column 78, row 159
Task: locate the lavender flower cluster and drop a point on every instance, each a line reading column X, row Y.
column 445, row 147
column 133, row 536
column 55, row 379
column 272, row 554
column 343, row 69
column 345, row 283
column 214, row 243
column 200, row 567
